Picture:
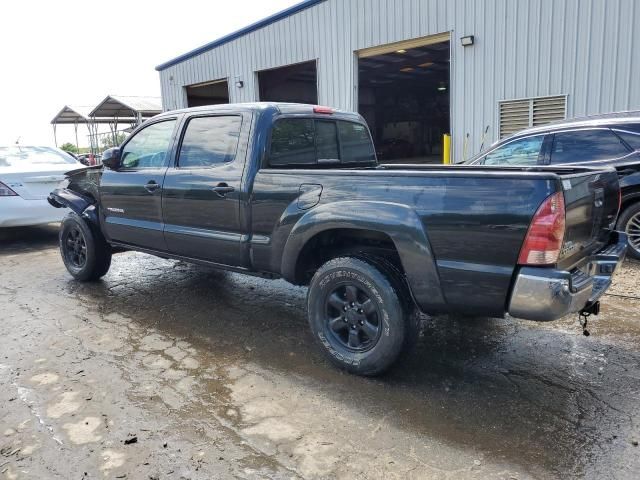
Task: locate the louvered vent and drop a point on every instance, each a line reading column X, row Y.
column 516, row 115
column 548, row 109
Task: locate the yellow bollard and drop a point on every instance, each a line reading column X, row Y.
column 446, row 149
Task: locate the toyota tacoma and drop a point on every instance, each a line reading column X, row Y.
column 295, row 192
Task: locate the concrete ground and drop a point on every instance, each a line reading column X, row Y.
column 163, row 370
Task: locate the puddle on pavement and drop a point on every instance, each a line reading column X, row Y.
column 499, row 387
column 211, row 344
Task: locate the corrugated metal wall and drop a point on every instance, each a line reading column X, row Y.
column 587, row 49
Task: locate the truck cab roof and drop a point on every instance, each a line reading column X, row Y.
column 271, row 107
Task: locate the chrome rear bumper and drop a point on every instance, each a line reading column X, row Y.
column 545, row 294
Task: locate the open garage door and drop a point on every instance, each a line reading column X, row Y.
column 209, row 93
column 403, row 93
column 294, row 83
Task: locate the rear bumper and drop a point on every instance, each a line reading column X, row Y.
column 545, row 294
column 18, row 212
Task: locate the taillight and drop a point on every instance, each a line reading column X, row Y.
column 323, row 110
column 6, row 191
column 543, row 242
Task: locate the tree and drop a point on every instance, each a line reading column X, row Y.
column 69, row 147
column 107, row 140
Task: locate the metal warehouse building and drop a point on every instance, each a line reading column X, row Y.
column 418, row 69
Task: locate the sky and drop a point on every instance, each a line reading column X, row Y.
column 67, row 52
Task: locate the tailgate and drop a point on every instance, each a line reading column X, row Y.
column 591, row 202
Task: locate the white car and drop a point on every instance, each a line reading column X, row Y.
column 27, row 176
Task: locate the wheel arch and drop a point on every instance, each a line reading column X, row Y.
column 381, row 224
column 630, row 194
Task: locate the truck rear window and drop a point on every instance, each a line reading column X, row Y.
column 308, row 142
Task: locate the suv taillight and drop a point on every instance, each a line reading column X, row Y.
column 543, row 242
column 6, row 191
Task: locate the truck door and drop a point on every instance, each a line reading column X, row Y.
column 202, row 191
column 131, row 196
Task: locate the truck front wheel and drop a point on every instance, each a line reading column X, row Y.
column 356, row 314
column 87, row 256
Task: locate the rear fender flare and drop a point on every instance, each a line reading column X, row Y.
column 399, row 222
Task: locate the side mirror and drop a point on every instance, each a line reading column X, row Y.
column 111, row 158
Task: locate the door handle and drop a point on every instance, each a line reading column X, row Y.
column 151, row 186
column 222, row 189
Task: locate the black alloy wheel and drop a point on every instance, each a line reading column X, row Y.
column 75, row 247
column 358, row 313
column 352, row 318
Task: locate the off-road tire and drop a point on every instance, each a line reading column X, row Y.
column 629, row 215
column 76, row 237
column 371, row 280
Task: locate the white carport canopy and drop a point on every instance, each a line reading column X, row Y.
column 127, row 109
column 76, row 115
column 114, row 110
column 71, row 115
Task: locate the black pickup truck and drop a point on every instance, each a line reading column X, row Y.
column 295, row 191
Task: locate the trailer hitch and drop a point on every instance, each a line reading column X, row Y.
column 592, row 308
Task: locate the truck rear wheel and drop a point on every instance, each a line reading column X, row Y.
column 629, row 222
column 357, row 314
column 85, row 255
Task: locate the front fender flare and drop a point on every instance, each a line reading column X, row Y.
column 80, row 204
column 399, row 222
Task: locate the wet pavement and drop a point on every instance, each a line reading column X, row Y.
column 166, row 370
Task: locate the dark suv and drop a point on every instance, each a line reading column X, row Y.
column 611, row 139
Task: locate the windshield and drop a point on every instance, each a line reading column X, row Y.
column 16, row 156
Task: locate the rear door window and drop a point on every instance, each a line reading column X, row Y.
column 210, row 141
column 586, row 146
column 308, row 142
column 523, row 151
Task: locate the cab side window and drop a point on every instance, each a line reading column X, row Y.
column 210, row 141
column 586, row 146
column 149, row 148
column 524, row 151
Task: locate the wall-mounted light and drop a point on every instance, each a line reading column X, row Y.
column 442, row 87
column 467, row 41
column 239, row 83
